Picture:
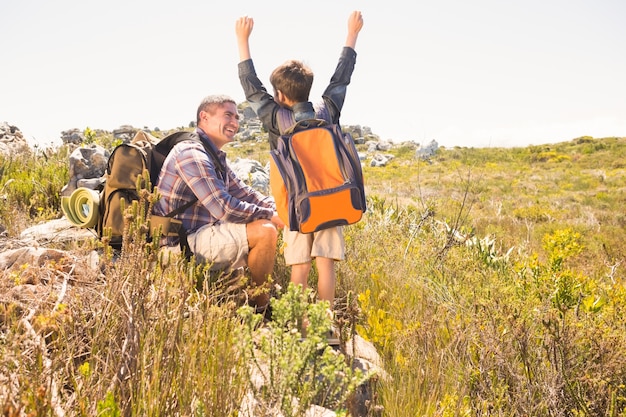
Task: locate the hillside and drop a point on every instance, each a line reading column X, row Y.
column 517, row 195
column 491, row 282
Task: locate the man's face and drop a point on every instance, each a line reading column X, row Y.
column 222, row 125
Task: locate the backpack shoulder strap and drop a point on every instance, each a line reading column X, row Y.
column 213, row 155
column 306, row 124
column 182, row 208
column 163, row 147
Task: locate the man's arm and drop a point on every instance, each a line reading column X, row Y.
column 196, row 169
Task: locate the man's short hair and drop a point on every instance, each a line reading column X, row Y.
column 210, row 103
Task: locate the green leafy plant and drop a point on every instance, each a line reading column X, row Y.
column 292, row 366
column 379, row 326
column 90, row 135
column 108, row 407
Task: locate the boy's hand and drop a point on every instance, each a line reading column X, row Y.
column 355, row 23
column 243, row 27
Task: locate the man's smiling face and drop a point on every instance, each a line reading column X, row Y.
column 220, row 123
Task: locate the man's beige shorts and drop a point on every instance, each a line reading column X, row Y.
column 224, row 245
column 303, row 247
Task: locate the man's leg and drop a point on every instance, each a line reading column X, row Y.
column 262, row 239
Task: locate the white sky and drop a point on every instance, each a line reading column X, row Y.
column 465, row 73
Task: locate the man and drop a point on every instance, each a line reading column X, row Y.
column 231, row 224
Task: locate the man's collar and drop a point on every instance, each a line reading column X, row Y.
column 205, row 138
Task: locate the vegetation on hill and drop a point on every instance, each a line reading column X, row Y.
column 490, row 280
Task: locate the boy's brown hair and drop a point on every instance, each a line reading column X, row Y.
column 294, row 79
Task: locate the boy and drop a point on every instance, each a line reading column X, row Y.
column 292, row 83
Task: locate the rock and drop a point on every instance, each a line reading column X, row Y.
column 384, row 146
column 91, row 183
column 425, row 152
column 59, row 230
column 380, row 160
column 252, row 173
column 86, row 163
column 29, row 255
column 249, row 114
column 12, row 141
column 73, row 136
column 125, row 133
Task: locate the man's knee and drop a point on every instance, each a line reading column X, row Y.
column 270, row 230
column 262, row 232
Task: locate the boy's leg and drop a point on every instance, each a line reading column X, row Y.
column 298, row 255
column 328, row 247
column 300, row 273
column 326, row 279
column 326, row 292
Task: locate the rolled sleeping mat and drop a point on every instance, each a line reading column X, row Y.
column 82, row 207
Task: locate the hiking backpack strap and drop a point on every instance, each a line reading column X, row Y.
column 162, row 149
column 305, row 124
column 171, row 226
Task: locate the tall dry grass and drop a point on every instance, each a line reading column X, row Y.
column 490, row 280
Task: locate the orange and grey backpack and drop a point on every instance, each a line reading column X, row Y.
column 316, row 177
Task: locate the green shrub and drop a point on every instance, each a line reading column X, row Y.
column 292, row 359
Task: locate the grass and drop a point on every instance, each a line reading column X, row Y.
column 490, row 280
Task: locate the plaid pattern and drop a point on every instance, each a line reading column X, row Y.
column 188, row 171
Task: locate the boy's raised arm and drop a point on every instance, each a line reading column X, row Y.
column 355, row 23
column 243, row 28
